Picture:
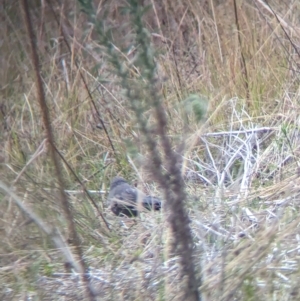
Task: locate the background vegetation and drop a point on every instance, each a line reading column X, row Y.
column 225, row 76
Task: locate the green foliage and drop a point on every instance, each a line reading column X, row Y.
column 249, row 289
column 196, row 105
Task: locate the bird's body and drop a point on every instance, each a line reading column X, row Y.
column 127, row 200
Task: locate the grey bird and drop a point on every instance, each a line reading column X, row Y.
column 125, row 199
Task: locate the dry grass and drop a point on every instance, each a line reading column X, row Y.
column 240, row 162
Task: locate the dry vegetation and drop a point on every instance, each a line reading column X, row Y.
column 226, row 75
